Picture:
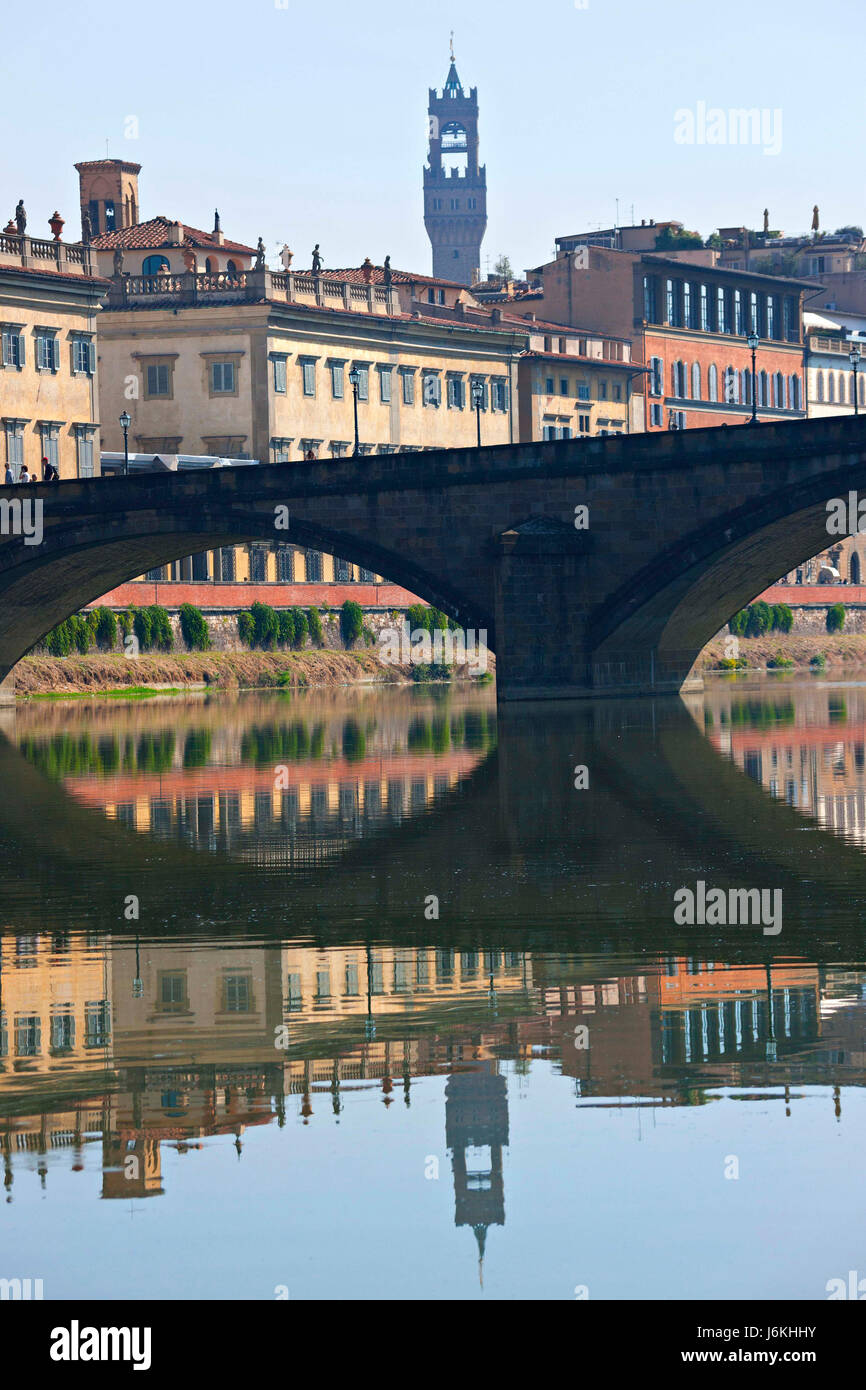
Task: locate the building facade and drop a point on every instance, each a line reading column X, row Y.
column 49, row 302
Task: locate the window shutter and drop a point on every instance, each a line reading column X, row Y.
column 91, row 358
column 21, row 350
column 55, row 354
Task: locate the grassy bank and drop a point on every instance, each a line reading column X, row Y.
column 841, row 650
column 118, row 676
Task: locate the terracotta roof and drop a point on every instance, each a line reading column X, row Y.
column 156, row 234
column 55, row 275
column 605, row 362
column 562, row 329
column 355, row 276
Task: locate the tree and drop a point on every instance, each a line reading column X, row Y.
column 835, row 618
column 502, row 268
column 193, row 625
column 351, row 622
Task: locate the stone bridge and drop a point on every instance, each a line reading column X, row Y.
column 683, row 530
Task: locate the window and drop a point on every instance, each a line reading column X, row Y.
column 237, row 994
column 671, row 303
column 47, row 350
column 705, row 309
column 13, row 350
column 227, row 564
column 677, row 379
column 363, row 381
column 50, row 440
column 831, row 388
column 157, row 380
column 563, row 386
column 791, row 319
column 456, row 393
column 172, row 991
column 258, row 564
column 308, row 373
column 687, row 305
column 15, row 445
column 649, row 298
column 696, row 381
column 110, row 220
column 656, row 380
column 152, row 265
column 431, row 389
column 97, row 1023
column 342, row 572
column 583, row 392
column 721, row 311
column 617, row 392
column 313, row 566
column 338, row 380
column 549, row 386
column 499, row 394
column 280, row 449
column 678, row 420
column 62, row 1026
column 656, row 417
column 763, row 389
column 84, row 449
column 93, row 209
column 713, row 382
column 739, row 322
column 408, row 387
column 602, row 390
column 771, row 316
column 385, row 385
column 83, row 355
column 754, row 318
column 779, row 391
column 28, row 1035
column 280, row 379
column 819, row 380
column 479, row 381
column 583, row 424
column 223, row 381
column 285, row 564
column 732, row 386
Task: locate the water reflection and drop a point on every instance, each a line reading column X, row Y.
column 547, row 1062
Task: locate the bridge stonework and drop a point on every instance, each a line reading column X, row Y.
column 684, row 529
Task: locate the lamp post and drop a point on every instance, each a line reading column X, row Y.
column 854, row 359
column 355, row 381
column 478, row 401
column 753, row 341
column 125, row 422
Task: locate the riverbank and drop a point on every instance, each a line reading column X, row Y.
column 99, row 674
column 792, row 651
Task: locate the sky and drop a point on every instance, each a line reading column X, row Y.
column 306, row 122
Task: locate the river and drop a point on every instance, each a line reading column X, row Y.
column 376, row 994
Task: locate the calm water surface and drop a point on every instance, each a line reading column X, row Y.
column 357, row 995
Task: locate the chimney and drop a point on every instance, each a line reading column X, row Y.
column 217, row 229
column 176, row 233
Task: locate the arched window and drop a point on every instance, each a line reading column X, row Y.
column 231, row 268
column 678, row 379
column 209, row 266
column 854, row 574
column 154, row 264
column 831, row 388
column 820, row 386
column 732, row 386
column 861, row 390
column 713, row 382
column 763, row 389
column 796, row 393
column 843, row 390
column 696, row 381
column 779, row 391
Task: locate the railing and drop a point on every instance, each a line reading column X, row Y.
column 10, row 245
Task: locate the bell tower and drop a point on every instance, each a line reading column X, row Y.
column 455, row 185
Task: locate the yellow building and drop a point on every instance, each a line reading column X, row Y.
column 49, row 301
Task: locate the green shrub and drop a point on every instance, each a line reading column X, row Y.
column 819, row 661
column 314, row 624
column 142, row 626
column 783, row 618
column 286, row 627
column 418, row 617
column 760, row 619
column 351, row 622
column 438, row 621
column 59, row 640
column 835, row 618
column 105, row 629
column 780, row 663
column 246, row 629
column 266, row 626
column 194, row 628
column 82, row 638
column 738, row 624
column 300, row 630
column 162, row 636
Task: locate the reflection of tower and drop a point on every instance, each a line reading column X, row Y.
column 455, row 185
column 132, row 1167
column 476, row 1131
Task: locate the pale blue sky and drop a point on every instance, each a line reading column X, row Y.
column 308, row 123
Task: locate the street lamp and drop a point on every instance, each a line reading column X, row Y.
column 854, row 359
column 753, row 341
column 478, row 401
column 355, row 381
column 125, row 422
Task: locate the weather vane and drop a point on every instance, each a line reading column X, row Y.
column 452, row 45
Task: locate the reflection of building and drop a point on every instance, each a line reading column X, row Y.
column 476, row 1132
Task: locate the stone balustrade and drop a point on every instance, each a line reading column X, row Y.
column 37, row 253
